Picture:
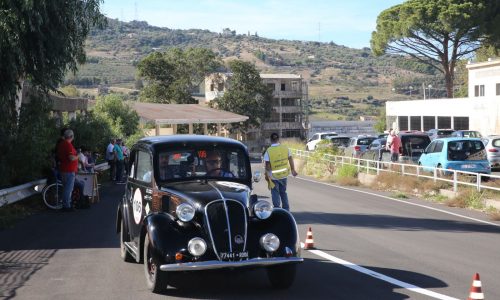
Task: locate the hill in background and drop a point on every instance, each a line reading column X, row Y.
column 343, row 82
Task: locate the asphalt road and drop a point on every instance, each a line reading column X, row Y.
column 367, row 247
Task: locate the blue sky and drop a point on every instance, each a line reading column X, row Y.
column 345, row 22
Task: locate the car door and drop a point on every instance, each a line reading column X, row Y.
column 425, row 159
column 139, row 189
column 436, row 157
column 314, row 141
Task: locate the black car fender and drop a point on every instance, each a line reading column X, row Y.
column 282, row 224
column 168, row 236
column 121, row 213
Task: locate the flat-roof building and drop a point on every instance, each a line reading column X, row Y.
column 479, row 111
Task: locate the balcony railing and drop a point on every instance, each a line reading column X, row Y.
column 287, row 94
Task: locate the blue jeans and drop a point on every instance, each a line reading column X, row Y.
column 279, row 191
column 68, row 180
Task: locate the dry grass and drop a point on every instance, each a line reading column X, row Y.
column 468, row 199
column 494, row 215
column 349, row 181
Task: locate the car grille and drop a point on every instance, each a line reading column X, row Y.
column 227, row 225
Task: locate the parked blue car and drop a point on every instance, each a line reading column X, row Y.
column 461, row 154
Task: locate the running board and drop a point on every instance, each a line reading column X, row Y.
column 133, row 249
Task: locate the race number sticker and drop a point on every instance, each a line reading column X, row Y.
column 137, row 206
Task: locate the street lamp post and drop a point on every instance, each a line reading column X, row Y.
column 411, row 88
column 430, row 86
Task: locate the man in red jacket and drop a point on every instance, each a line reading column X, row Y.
column 68, row 167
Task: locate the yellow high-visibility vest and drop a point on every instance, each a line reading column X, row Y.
column 278, row 158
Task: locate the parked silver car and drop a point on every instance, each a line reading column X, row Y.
column 492, row 145
column 358, row 145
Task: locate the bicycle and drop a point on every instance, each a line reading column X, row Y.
column 52, row 195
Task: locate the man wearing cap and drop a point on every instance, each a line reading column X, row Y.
column 279, row 163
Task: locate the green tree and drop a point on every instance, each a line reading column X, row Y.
column 122, row 119
column 39, row 41
column 437, row 32
column 381, row 124
column 246, row 95
column 173, row 75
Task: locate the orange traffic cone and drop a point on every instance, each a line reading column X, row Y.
column 475, row 290
column 309, row 244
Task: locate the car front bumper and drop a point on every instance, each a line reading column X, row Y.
column 215, row 264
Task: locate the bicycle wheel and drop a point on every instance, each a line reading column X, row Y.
column 53, row 196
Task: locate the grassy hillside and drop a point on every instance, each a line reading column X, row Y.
column 332, row 70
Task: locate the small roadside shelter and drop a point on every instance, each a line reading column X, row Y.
column 175, row 114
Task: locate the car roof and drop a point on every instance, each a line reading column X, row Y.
column 188, row 138
column 413, row 133
column 452, row 139
column 326, row 132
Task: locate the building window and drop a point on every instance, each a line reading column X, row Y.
column 283, row 87
column 415, row 123
column 403, row 123
column 295, row 86
column 212, row 87
column 444, row 122
column 498, row 89
column 220, row 87
column 289, row 117
column 429, row 123
column 461, row 123
column 271, row 86
column 479, row 90
column 289, row 102
column 291, row 133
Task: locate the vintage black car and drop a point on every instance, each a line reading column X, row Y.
column 188, row 206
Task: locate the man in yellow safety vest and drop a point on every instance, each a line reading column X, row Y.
column 277, row 158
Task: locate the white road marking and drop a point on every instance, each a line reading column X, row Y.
column 402, row 201
column 380, row 276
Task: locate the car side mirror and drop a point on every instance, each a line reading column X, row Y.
column 257, row 175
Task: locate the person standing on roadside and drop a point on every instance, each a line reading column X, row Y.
column 68, row 166
column 118, row 154
column 394, row 143
column 279, row 163
column 110, row 157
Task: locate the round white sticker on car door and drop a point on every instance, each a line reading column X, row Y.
column 137, row 206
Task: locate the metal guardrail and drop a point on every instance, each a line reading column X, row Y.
column 23, row 191
column 454, row 177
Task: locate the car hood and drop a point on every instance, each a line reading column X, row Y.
column 202, row 192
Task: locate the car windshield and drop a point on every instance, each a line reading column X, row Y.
column 365, row 141
column 472, row 134
column 466, row 150
column 327, row 136
column 344, row 141
column 412, row 144
column 202, row 162
column 444, row 133
column 496, row 143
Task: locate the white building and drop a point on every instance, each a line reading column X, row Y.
column 480, row 111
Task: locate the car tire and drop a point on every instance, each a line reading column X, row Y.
column 156, row 280
column 124, row 254
column 442, row 173
column 282, row 277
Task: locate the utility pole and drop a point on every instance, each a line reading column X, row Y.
column 319, row 32
column 136, row 15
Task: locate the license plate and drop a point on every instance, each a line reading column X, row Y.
column 234, row 255
column 470, row 166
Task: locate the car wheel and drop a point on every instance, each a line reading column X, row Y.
column 124, row 254
column 156, row 279
column 282, row 277
column 441, row 172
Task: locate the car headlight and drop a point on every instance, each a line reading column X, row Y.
column 185, row 212
column 197, row 246
column 269, row 242
column 262, row 209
